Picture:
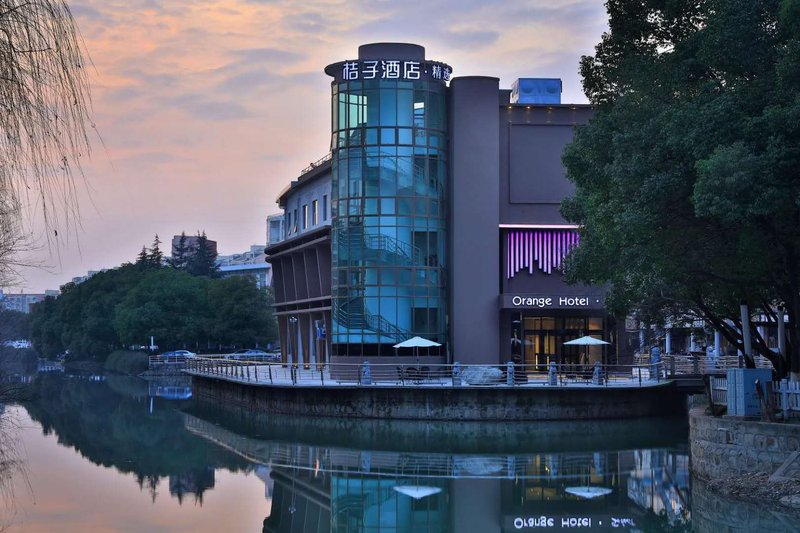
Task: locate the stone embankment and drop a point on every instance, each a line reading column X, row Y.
column 753, row 460
column 444, row 403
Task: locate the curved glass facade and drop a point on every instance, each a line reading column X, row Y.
column 389, row 149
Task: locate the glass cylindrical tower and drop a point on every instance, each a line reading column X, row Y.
column 389, row 153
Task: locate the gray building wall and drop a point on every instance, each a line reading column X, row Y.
column 474, row 215
column 301, row 270
column 532, row 177
column 316, row 188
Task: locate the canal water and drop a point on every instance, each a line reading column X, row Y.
column 113, row 453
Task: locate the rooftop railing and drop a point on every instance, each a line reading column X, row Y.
column 316, row 163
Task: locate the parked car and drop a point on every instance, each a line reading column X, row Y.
column 178, row 354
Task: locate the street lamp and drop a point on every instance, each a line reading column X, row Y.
column 292, row 339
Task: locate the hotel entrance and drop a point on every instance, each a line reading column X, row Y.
column 538, row 340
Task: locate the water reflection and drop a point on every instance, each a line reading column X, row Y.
column 148, row 452
column 346, row 490
column 333, row 488
column 115, row 421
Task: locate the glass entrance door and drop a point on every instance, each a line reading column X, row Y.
column 544, row 339
column 540, row 349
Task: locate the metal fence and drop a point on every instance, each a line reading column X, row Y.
column 781, row 395
column 687, row 364
column 787, row 396
column 719, row 391
column 444, row 375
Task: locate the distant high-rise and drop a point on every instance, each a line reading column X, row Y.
column 191, row 243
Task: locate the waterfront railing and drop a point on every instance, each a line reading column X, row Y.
column 688, row 364
column 439, row 375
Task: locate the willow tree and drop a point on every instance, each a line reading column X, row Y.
column 688, row 175
column 44, row 104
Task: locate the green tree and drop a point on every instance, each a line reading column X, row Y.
column 156, row 258
column 240, row 313
column 686, row 177
column 202, row 259
column 143, row 259
column 181, row 253
column 168, row 304
column 126, row 305
column 81, row 318
column 47, row 328
column 14, row 325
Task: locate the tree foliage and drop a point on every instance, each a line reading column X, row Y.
column 687, row 185
column 202, row 258
column 126, row 305
column 14, row 325
column 44, row 96
column 180, row 255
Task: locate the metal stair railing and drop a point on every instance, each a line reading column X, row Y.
column 372, row 322
column 351, row 234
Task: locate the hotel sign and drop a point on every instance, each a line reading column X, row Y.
column 390, row 69
column 566, row 522
column 538, row 301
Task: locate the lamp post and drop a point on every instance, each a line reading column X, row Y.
column 293, row 339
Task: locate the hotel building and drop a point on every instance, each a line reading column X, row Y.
column 435, row 214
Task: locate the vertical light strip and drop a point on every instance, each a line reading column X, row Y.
column 544, row 250
column 530, row 253
column 508, row 259
column 511, row 252
column 547, row 255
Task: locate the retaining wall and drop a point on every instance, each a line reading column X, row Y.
column 723, row 447
column 447, row 403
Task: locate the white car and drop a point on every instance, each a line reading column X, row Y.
column 179, row 354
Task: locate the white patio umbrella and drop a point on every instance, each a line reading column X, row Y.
column 416, row 343
column 586, row 341
column 588, row 492
column 417, row 491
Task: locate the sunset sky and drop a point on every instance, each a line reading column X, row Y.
column 206, row 110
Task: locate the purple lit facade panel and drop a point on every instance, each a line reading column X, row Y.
column 546, row 249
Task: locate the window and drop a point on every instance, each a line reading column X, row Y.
column 288, row 223
column 324, row 207
column 314, row 213
column 295, row 220
column 305, row 216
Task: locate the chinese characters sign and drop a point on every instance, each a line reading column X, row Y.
column 391, row 69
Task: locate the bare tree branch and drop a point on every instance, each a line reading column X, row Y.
column 44, row 95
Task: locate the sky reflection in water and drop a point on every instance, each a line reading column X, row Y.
column 121, row 467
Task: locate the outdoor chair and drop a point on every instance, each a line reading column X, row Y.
column 413, row 374
column 425, row 373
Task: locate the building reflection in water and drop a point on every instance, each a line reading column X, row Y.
column 320, row 488
column 344, row 490
column 192, row 484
